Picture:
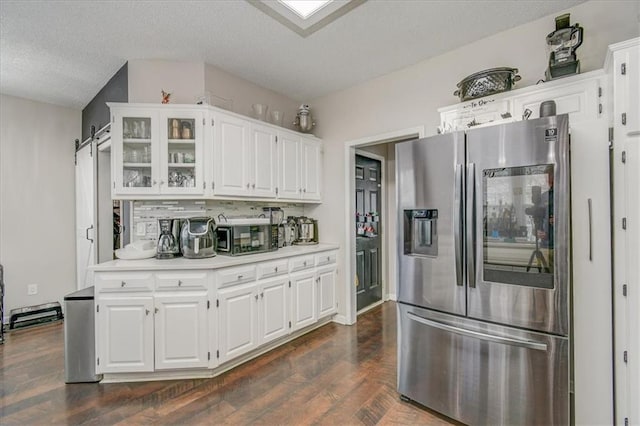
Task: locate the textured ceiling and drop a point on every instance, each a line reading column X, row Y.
column 63, row 52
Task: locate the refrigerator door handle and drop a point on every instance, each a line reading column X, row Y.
column 471, row 224
column 458, row 225
column 528, row 344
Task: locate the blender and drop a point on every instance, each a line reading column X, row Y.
column 562, row 44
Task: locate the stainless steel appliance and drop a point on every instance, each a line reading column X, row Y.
column 238, row 236
column 484, row 263
column 306, row 231
column 276, row 217
column 168, row 245
column 79, row 337
column 197, row 238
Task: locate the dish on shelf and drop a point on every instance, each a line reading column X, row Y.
column 137, row 250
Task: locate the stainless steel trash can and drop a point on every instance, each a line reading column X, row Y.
column 79, row 337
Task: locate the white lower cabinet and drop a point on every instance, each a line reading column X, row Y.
column 142, row 331
column 326, row 291
column 165, row 320
column 251, row 315
column 125, row 331
column 181, row 337
column 274, row 309
column 303, row 299
column 238, row 316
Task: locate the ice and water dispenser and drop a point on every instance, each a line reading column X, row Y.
column 421, row 232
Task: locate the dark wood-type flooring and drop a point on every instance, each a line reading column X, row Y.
column 334, row 375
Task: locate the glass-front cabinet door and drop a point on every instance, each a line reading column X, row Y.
column 181, row 157
column 157, row 151
column 135, row 146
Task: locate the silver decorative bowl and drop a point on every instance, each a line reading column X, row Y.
column 487, row 82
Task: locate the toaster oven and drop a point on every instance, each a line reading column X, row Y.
column 236, row 237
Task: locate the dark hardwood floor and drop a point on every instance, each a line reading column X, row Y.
column 333, row 375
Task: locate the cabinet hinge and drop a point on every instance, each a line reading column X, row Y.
column 97, row 308
column 624, row 157
column 217, row 303
column 204, row 185
column 624, row 118
column 624, row 290
column 203, row 122
column 213, row 185
column 276, row 139
column 610, row 134
column 624, row 223
column 623, row 68
column 217, row 354
column 625, row 357
column 289, row 284
column 599, row 108
column 599, row 92
column 113, row 119
column 208, row 304
column 212, row 122
column 208, row 356
column 626, row 421
column 289, row 324
column 114, row 184
column 276, row 190
column 98, row 360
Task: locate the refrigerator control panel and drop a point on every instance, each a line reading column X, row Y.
column 421, row 232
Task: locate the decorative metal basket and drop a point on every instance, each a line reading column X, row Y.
column 487, row 82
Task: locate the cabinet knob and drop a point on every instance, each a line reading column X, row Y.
column 247, row 186
column 305, row 263
column 161, row 182
column 253, row 186
column 300, row 190
column 262, row 295
column 256, row 297
column 122, row 284
column 156, row 311
column 155, row 183
column 146, row 311
column 328, row 258
column 240, row 277
column 179, row 283
column 304, row 190
column 275, row 269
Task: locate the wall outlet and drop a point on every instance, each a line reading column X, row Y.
column 32, row 289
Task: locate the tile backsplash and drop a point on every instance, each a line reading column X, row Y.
column 145, row 214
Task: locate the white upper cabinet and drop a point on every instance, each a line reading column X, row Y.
column 300, row 167
column 231, row 150
column 192, row 151
column 263, row 161
column 157, row 151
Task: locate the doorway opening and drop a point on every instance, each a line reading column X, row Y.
column 371, row 237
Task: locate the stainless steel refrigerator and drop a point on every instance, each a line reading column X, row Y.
column 484, row 273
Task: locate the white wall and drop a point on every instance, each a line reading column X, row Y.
column 243, row 93
column 410, row 97
column 37, row 200
column 147, row 79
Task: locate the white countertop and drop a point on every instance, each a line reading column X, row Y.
column 216, row 262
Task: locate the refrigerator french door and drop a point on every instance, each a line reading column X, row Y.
column 484, row 273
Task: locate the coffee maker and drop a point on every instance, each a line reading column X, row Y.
column 168, row 245
column 563, row 43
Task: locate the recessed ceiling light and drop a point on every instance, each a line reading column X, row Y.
column 305, row 16
column 305, row 8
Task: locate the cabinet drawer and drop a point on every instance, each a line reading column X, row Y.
column 300, row 263
column 326, row 258
column 272, row 269
column 124, row 281
column 233, row 276
column 181, row 280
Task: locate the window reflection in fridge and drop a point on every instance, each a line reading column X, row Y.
column 518, row 225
